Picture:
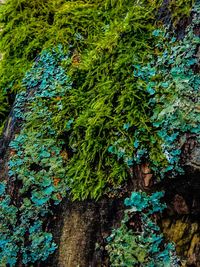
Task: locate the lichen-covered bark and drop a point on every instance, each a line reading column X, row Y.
column 80, row 228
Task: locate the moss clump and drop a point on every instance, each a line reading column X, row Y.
column 106, row 117
column 29, row 27
column 123, row 109
column 104, row 97
column 180, row 9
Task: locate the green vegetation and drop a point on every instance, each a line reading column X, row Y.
column 138, row 241
column 180, row 9
column 37, row 162
column 103, row 87
column 124, row 110
column 107, row 90
column 106, row 97
column 28, row 27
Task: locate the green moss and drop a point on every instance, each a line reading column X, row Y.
column 180, row 9
column 24, row 33
column 115, row 40
column 121, row 99
column 29, row 27
column 99, row 106
column 104, row 97
column 110, row 107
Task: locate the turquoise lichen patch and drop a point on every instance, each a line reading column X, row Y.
column 36, row 162
column 139, row 241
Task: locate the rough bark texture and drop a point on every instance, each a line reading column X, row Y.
column 82, row 231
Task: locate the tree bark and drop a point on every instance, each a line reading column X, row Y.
column 80, row 228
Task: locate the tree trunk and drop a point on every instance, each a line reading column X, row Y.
column 80, row 228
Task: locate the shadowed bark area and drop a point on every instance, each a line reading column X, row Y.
column 181, row 222
column 81, row 229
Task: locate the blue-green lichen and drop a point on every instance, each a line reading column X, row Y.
column 138, row 241
column 36, row 162
column 124, row 93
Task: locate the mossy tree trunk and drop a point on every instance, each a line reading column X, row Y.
column 80, row 228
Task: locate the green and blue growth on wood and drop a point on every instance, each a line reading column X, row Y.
column 119, row 91
column 138, row 239
column 36, row 163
